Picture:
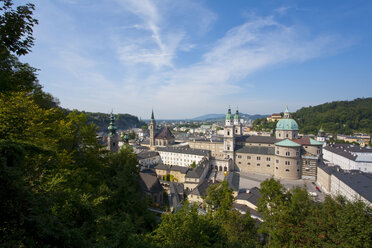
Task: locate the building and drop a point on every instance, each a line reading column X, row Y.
column 353, row 185
column 284, row 155
column 148, row 158
column 274, row 117
column 151, row 187
column 182, row 156
column 163, row 137
column 113, row 137
column 349, row 157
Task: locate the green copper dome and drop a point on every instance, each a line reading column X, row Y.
column 236, row 116
column 229, row 116
column 287, row 123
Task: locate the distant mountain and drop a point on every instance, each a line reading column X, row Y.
column 210, row 117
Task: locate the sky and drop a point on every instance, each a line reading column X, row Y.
column 186, row 58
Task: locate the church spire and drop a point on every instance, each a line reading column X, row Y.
column 152, row 115
column 112, row 128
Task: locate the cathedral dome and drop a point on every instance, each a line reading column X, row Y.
column 287, row 125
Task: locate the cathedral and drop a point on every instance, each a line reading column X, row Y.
column 285, row 155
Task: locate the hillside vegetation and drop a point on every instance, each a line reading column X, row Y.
column 339, row 117
column 343, row 117
column 123, row 121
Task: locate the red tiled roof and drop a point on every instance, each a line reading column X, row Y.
column 302, row 141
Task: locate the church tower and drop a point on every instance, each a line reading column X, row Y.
column 237, row 124
column 113, row 137
column 152, row 129
column 229, row 136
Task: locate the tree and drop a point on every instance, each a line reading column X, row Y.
column 219, row 197
column 16, row 27
column 186, row 228
column 193, row 165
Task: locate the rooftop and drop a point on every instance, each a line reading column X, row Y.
column 255, row 150
column 233, row 179
column 181, row 169
column 252, row 196
column 149, row 182
column 164, row 133
column 354, row 153
column 196, row 172
column 256, row 139
column 359, row 181
column 184, row 150
column 287, row 143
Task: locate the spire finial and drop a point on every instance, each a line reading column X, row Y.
column 152, row 114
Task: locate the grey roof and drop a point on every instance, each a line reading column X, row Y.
column 233, row 180
column 348, row 151
column 147, row 154
column 181, row 169
column 196, row 172
column 255, row 150
column 359, row 181
column 149, row 183
column 252, row 196
column 164, row 133
column 201, row 189
column 185, row 150
column 257, row 139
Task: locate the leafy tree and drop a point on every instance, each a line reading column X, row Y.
column 186, row 228
column 16, row 27
column 193, row 165
column 219, row 197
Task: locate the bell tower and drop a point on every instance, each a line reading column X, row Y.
column 229, row 136
column 113, row 137
column 152, row 129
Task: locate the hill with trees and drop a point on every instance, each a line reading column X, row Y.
column 343, row 117
column 123, row 121
column 338, row 117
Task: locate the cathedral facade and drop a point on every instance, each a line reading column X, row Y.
column 284, row 155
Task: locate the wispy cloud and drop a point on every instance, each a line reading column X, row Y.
column 141, row 54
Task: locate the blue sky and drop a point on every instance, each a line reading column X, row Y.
column 187, row 58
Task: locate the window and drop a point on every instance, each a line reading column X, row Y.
column 267, row 159
column 286, row 135
column 276, row 167
column 277, row 151
column 249, row 163
column 239, row 162
column 267, row 165
column 279, row 136
column 286, row 169
column 287, row 163
column 277, row 161
column 248, row 157
column 258, row 158
column 287, row 153
column 239, row 156
column 258, row 164
column 113, row 144
column 228, row 132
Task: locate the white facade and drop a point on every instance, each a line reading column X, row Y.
column 362, row 162
column 180, row 159
column 338, row 187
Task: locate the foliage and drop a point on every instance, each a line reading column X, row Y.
column 193, row 165
column 292, row 219
column 339, row 117
column 16, row 27
column 263, row 124
column 219, row 197
column 123, row 121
